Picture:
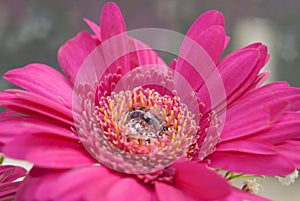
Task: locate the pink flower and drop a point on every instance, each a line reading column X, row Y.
column 236, row 125
column 8, row 185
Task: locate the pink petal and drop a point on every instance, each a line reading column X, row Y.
column 212, row 40
column 133, row 54
column 66, row 185
column 259, row 109
column 49, row 152
column 128, row 189
column 251, row 163
column 99, row 189
column 167, row 192
column 8, row 190
column 240, row 123
column 173, row 64
column 236, row 67
column 72, row 54
column 42, row 80
column 199, row 182
column 250, row 80
column 95, row 28
column 36, row 179
column 245, row 147
column 232, row 73
column 194, row 60
column 115, row 52
column 287, row 128
column 115, row 45
column 206, row 20
column 30, row 125
column 9, row 173
column 290, row 149
column 111, row 22
column 141, row 54
column 261, row 78
column 32, row 104
column 227, row 40
column 280, row 91
column 88, row 177
column 201, row 47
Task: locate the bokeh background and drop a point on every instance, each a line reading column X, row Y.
column 33, row 30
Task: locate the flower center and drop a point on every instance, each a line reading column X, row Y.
column 137, row 131
column 165, row 175
column 142, row 121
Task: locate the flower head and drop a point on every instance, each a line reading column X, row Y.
column 128, row 127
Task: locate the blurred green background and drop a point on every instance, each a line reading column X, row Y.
column 33, row 30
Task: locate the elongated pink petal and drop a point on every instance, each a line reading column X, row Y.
column 194, row 60
column 287, row 128
column 37, row 178
column 72, row 54
column 32, row 104
column 88, row 177
column 247, row 123
column 245, row 86
column 211, row 187
column 47, row 184
column 227, row 40
column 32, row 125
column 115, row 51
column 98, row 190
column 232, row 73
column 8, row 190
column 128, row 189
column 212, row 40
column 250, row 163
column 198, row 53
column 115, row 45
column 42, row 80
column 10, row 173
column 49, row 152
column 167, row 192
column 111, row 21
column 246, row 147
column 206, row 20
column 236, row 68
column 280, row 91
column 260, row 79
column 95, row 28
column 141, row 54
column 260, row 108
column 133, row 54
column 290, row 149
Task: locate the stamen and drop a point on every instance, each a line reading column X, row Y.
column 166, row 175
column 149, row 123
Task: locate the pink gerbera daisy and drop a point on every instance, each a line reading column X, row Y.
column 121, row 125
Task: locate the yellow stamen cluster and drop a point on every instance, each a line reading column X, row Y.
column 142, row 121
